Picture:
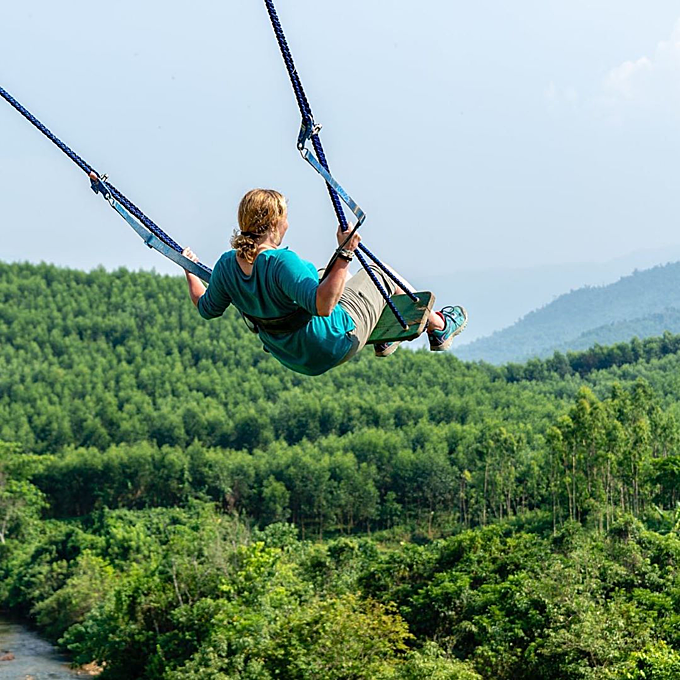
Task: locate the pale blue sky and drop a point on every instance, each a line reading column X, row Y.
column 478, row 135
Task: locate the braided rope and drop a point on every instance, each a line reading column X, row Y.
column 87, row 168
column 307, row 117
column 300, row 96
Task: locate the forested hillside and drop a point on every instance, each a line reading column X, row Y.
column 622, row 331
column 175, row 504
column 644, row 304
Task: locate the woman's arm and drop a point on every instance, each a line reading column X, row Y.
column 196, row 287
column 332, row 287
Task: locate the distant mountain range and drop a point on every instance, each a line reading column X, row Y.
column 642, row 304
column 496, row 298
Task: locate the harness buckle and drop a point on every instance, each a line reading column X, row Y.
column 97, row 185
column 307, row 128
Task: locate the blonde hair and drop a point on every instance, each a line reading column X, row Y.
column 258, row 214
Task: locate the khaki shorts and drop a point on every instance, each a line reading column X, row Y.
column 363, row 301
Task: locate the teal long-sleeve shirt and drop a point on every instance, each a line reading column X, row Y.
column 279, row 283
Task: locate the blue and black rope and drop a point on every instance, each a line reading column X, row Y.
column 88, row 169
column 308, row 119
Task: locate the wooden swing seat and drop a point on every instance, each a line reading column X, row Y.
column 388, row 329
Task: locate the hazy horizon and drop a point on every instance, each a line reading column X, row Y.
column 476, row 137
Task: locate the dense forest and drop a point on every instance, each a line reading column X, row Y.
column 644, row 304
column 175, row 504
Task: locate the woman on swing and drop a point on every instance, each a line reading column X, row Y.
column 307, row 325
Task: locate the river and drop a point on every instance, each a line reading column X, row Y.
column 34, row 658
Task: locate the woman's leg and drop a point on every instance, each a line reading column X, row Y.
column 363, row 301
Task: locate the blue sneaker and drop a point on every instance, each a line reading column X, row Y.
column 384, row 349
column 456, row 319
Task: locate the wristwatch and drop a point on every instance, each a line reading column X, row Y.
column 345, row 254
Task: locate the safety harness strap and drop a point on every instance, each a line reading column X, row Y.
column 281, row 325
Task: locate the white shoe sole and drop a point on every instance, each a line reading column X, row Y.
column 390, row 350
